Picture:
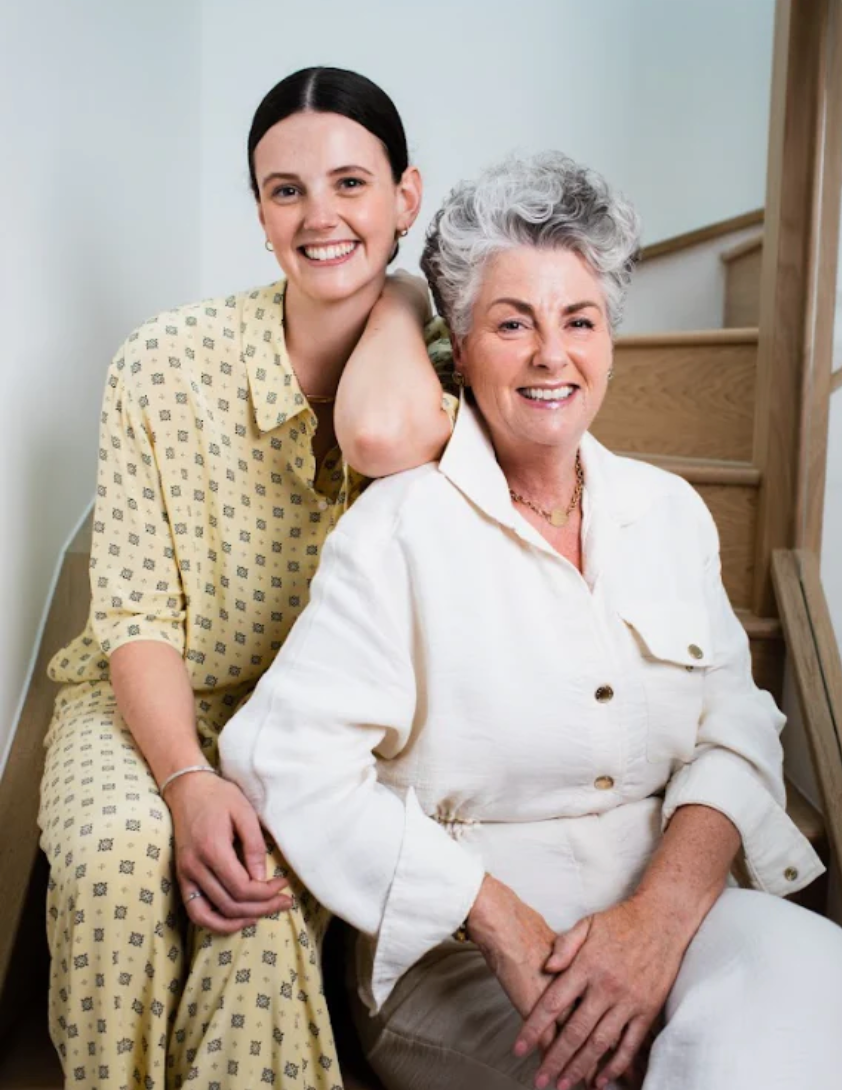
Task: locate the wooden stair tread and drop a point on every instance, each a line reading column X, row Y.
column 702, row 470
column 693, row 337
column 747, row 246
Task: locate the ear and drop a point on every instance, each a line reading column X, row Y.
column 410, row 194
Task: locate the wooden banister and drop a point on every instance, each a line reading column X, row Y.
column 817, row 669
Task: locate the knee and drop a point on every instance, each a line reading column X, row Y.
column 761, row 944
column 125, row 846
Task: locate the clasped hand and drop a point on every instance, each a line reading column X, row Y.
column 211, row 817
column 612, row 974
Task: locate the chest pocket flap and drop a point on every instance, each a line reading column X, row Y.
column 677, row 633
column 674, row 644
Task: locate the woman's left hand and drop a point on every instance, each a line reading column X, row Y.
column 614, row 972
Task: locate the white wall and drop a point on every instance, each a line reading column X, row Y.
column 98, row 103
column 669, row 101
column 683, row 290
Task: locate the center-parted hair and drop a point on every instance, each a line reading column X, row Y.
column 332, row 91
column 547, row 201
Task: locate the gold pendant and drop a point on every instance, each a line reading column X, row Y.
column 558, row 517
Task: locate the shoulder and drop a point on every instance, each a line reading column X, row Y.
column 377, row 515
column 183, row 336
column 641, row 492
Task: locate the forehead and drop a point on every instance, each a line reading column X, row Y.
column 314, row 142
column 540, row 277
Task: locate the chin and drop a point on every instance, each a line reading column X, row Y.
column 333, row 287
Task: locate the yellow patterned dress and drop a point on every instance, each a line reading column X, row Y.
column 209, row 520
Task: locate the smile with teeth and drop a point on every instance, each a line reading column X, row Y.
column 547, row 393
column 330, row 252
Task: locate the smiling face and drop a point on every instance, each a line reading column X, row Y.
column 539, row 350
column 329, row 204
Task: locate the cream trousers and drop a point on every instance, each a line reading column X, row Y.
column 757, row 1005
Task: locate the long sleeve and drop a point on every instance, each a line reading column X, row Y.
column 303, row 750
column 135, row 580
column 737, row 765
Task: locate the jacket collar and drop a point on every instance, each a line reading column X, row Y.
column 615, row 490
column 276, row 396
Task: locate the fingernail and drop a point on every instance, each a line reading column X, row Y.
column 542, row 1081
column 521, row 1048
column 564, row 1084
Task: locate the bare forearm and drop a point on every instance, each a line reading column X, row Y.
column 388, row 415
column 155, row 698
column 689, row 870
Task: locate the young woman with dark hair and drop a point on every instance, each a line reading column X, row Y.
column 234, row 434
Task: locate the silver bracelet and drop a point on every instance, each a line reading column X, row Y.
column 183, row 772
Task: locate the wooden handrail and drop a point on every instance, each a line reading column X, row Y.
column 702, row 234
column 817, row 669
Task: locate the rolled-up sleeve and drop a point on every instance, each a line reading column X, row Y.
column 135, row 581
column 737, row 765
column 303, row 749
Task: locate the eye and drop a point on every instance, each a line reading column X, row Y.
column 511, row 325
column 351, row 183
column 582, row 323
column 284, row 192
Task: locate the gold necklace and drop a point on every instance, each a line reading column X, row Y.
column 314, row 399
column 558, row 516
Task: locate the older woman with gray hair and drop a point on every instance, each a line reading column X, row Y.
column 514, row 739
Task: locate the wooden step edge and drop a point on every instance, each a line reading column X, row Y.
column 747, row 246
column 702, row 470
column 760, row 628
column 695, row 338
column 836, row 380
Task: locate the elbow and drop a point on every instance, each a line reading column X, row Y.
column 377, row 451
column 386, row 446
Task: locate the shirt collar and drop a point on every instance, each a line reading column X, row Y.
column 276, row 396
column 614, row 490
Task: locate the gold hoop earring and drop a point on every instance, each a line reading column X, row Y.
column 269, row 246
column 459, row 379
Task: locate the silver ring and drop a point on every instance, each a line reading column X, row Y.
column 192, row 896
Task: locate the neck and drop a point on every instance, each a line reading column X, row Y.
column 320, row 336
column 546, row 475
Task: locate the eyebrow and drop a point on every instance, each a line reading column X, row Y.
column 283, row 175
column 526, row 308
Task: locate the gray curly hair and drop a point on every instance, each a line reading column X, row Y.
column 547, row 201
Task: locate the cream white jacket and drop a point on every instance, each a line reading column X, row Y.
column 457, row 698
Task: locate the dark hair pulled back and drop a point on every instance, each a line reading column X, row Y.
column 334, row 91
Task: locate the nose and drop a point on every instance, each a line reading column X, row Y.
column 320, row 212
column 551, row 351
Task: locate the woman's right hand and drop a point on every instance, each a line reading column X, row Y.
column 210, row 818
column 516, row 942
